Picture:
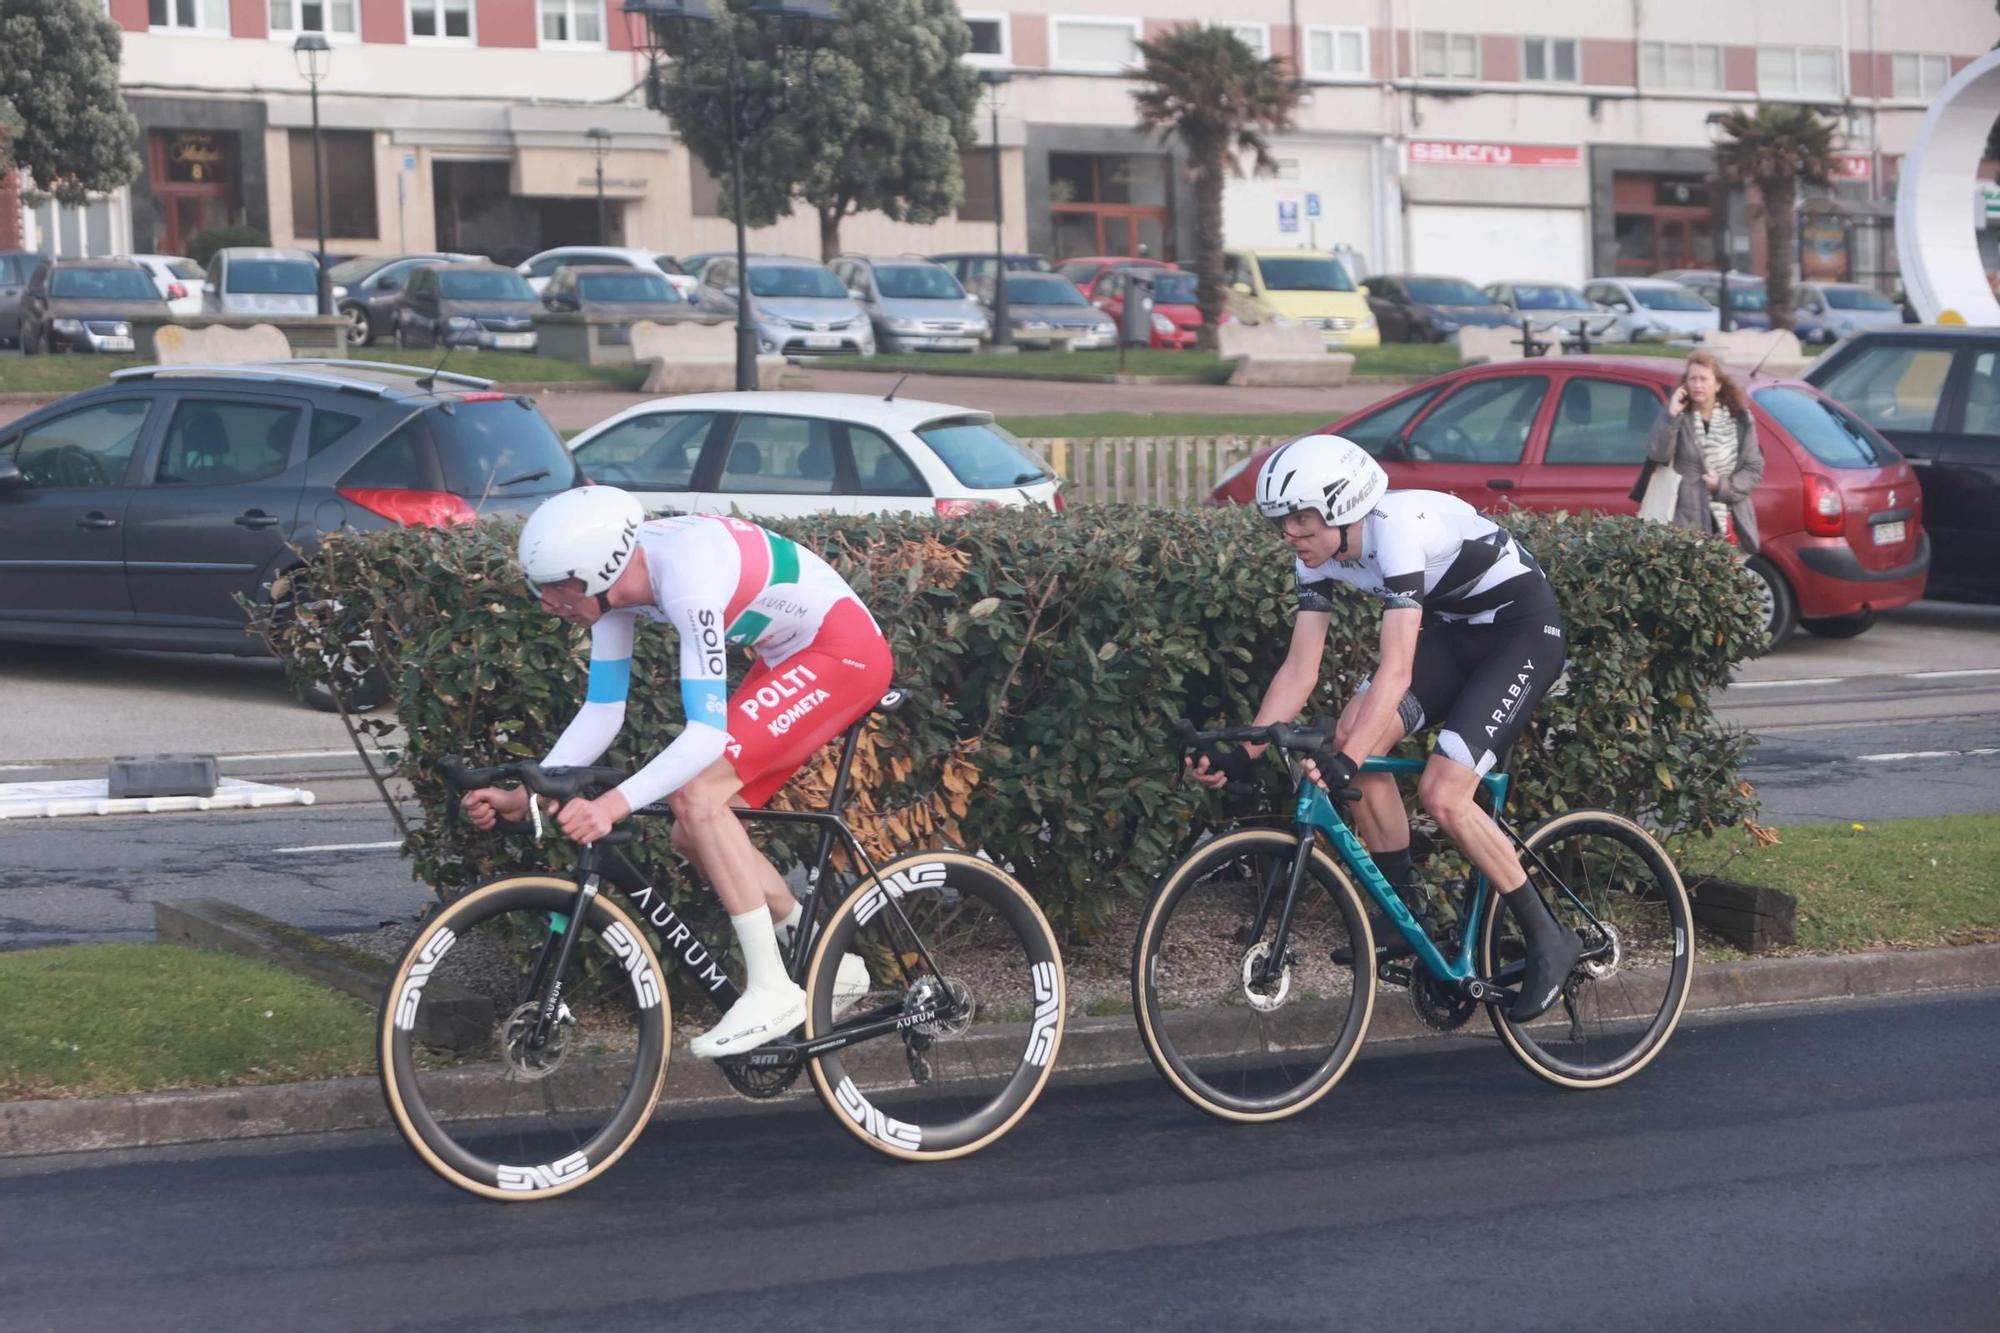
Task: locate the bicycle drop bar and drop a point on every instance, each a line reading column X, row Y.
column 557, row 784
column 1284, row 735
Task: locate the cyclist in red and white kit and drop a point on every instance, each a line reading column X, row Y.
column 822, row 662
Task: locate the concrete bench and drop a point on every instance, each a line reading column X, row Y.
column 217, row 345
column 695, row 357
column 1291, row 355
column 1477, row 346
column 1768, row 351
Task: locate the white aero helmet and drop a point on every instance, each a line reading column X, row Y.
column 1333, row 477
column 588, row 533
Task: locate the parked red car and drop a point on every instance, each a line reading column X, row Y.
column 1839, row 510
column 1176, row 317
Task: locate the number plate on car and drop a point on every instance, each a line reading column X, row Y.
column 513, row 340
column 1888, row 534
column 116, row 344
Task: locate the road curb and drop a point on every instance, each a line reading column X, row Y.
column 693, row 1086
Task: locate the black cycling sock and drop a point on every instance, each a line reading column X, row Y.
column 1395, row 867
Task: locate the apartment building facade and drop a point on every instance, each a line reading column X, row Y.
column 1488, row 139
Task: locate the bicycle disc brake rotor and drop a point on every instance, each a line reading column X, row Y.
column 523, row 1060
column 1600, row 969
column 953, row 999
column 1264, row 1002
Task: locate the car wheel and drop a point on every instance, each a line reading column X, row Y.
column 1781, row 608
column 1840, row 627
column 359, row 331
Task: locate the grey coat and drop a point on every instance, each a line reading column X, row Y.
column 1677, row 442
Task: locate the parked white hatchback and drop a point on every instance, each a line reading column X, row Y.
column 181, row 282
column 774, row 455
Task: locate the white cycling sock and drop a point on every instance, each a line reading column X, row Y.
column 788, row 929
column 763, row 965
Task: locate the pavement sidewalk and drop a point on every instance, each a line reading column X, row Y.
column 695, row 1088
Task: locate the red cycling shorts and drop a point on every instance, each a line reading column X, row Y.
column 781, row 714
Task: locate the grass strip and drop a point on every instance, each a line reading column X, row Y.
column 74, row 372
column 1900, row 883
column 91, row 1020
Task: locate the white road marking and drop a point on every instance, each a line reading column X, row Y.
column 1945, row 675
column 1928, row 754
column 340, row 847
column 1776, row 684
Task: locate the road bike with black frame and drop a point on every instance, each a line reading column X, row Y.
column 526, row 1031
column 1254, row 971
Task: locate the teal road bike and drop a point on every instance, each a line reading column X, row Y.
column 1254, row 974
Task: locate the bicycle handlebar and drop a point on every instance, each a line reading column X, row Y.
column 561, row 785
column 1284, row 735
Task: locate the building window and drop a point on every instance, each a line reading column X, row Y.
column 189, row 15
column 1337, row 53
column 1680, row 66
column 441, row 20
column 1447, row 55
column 704, row 189
column 1548, row 59
column 976, row 164
column 1256, row 36
column 335, row 18
column 1098, row 44
column 1798, row 71
column 348, row 157
column 992, row 42
column 1920, row 75
column 572, row 23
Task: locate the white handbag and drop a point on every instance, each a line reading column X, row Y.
column 1663, row 488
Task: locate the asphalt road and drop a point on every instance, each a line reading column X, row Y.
column 1813, row 1168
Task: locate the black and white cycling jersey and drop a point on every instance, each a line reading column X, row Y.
column 1428, row 551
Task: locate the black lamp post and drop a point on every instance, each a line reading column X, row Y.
column 662, row 30
column 1718, row 137
column 600, row 144
column 1003, row 329
column 315, row 60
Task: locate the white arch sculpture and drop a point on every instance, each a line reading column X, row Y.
column 1936, row 242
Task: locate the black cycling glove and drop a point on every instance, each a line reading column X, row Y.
column 1236, row 764
column 1336, row 770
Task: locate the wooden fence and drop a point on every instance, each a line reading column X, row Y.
column 1162, row 471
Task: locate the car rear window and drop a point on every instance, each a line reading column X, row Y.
column 103, row 284
column 1669, row 298
column 917, row 282
column 1857, row 298
column 271, row 277
column 1828, row 433
column 500, row 446
column 981, row 455
column 500, row 284
column 633, row 286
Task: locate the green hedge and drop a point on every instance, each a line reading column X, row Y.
column 1047, row 657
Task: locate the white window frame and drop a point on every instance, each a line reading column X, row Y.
column 1925, row 91
column 1005, row 60
column 471, row 37
column 1549, row 45
column 1137, row 27
column 1333, row 36
column 290, row 31
column 1448, row 37
column 1262, row 44
column 1795, row 92
column 200, row 29
column 1694, row 52
column 570, row 9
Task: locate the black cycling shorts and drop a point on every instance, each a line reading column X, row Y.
column 1479, row 684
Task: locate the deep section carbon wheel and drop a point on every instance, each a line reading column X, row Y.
column 491, row 1097
column 962, row 961
column 1236, row 1046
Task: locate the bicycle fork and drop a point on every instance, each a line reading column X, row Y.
column 552, row 963
column 1268, row 969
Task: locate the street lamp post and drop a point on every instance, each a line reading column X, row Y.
column 1716, row 137
column 661, row 29
column 1003, row 330
column 600, row 144
column 315, row 59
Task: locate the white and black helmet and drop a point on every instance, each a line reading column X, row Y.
column 1333, row 477
column 588, row 534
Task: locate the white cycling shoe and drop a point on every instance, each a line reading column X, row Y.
column 850, row 983
column 759, row 1017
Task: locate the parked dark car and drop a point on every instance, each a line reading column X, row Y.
column 87, row 305
column 134, row 514
column 625, row 294
column 965, row 265
column 1935, row 392
column 1420, row 308
column 16, row 267
column 1840, row 523
column 368, row 289
column 467, row 305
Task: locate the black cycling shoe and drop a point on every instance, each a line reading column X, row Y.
column 1552, row 951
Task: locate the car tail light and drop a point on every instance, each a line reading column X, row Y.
column 1825, row 511
column 412, row 509
column 955, row 508
column 175, row 291
column 482, row 397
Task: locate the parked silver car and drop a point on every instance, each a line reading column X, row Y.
column 1826, row 312
column 799, row 307
column 1653, row 309
column 1559, row 306
column 915, row 305
column 1047, row 311
column 259, row 280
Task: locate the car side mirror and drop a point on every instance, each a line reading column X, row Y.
column 1242, row 288
column 858, row 293
column 10, row 475
column 390, row 285
column 1621, row 307
column 732, row 292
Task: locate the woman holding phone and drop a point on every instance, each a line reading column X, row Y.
column 1709, row 442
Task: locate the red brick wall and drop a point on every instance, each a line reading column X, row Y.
column 1609, row 64
column 383, row 21
column 1499, row 58
column 1739, row 69
column 131, row 15
column 249, row 18
column 1031, row 41
column 618, row 29
column 506, row 23
column 10, row 211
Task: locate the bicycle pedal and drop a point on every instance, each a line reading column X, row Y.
column 1396, row 974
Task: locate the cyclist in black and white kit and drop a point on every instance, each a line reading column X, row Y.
column 1471, row 640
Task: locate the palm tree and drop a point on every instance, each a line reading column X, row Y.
column 1219, row 98
column 1774, row 148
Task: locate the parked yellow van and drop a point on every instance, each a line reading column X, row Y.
column 1308, row 287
